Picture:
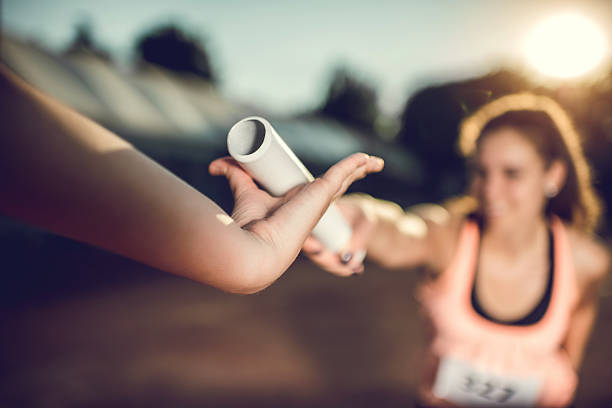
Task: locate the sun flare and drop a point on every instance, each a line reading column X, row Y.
column 565, row 46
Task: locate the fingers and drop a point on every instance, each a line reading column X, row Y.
column 278, row 215
column 346, row 263
column 312, row 246
column 362, row 228
column 332, row 262
column 341, row 175
column 221, row 166
column 238, row 179
column 350, row 260
column 353, row 256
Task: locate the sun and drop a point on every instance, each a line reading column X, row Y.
column 565, row 46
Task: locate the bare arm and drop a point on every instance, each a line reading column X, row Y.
column 399, row 239
column 593, row 263
column 394, row 238
column 65, row 173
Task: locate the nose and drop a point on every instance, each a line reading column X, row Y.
column 491, row 186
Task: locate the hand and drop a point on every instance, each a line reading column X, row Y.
column 273, row 219
column 350, row 260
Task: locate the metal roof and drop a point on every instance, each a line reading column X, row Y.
column 178, row 115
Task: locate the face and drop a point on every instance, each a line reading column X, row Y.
column 509, row 178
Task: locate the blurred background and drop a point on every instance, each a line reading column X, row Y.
column 82, row 327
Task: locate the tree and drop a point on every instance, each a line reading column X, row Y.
column 351, row 101
column 173, row 49
column 84, row 43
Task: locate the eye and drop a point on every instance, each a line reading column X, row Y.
column 478, row 172
column 512, row 173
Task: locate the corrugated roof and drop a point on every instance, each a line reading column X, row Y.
column 181, row 115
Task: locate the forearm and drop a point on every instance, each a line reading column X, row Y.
column 397, row 237
column 581, row 326
column 67, row 174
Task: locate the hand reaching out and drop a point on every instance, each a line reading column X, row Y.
column 285, row 222
column 254, row 204
column 350, row 261
column 86, row 183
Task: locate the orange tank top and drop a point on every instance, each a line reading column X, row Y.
column 473, row 361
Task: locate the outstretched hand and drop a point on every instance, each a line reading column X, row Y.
column 285, row 222
column 350, row 260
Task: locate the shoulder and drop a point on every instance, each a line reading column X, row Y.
column 591, row 259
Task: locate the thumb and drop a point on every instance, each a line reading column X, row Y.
column 312, row 246
column 238, row 179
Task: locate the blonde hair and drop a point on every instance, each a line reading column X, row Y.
column 580, row 208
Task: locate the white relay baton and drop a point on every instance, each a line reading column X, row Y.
column 262, row 153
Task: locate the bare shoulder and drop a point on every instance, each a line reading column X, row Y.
column 443, row 230
column 591, row 258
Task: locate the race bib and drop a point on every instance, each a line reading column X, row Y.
column 461, row 383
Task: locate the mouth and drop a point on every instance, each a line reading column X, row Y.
column 494, row 210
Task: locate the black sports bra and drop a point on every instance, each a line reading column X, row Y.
column 538, row 311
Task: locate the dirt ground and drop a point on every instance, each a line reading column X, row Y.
column 113, row 333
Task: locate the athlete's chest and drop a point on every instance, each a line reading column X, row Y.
column 508, row 291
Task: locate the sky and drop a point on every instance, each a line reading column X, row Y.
column 281, row 54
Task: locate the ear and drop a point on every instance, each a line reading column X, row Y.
column 555, row 178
